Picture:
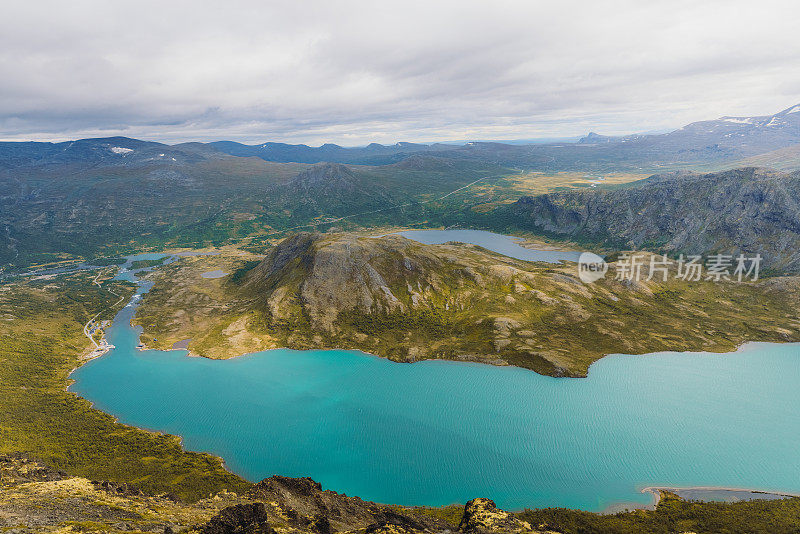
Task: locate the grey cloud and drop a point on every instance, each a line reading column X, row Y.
column 355, row 72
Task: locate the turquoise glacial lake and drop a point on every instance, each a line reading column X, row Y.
column 435, row 432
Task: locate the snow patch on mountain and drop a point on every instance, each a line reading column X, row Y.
column 738, row 120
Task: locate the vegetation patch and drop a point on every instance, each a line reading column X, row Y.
column 41, row 341
column 143, row 264
column 673, row 514
column 405, row 301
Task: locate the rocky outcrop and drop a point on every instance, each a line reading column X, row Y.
column 240, row 519
column 482, row 516
column 747, row 210
column 305, row 505
column 119, row 489
column 325, row 275
column 35, row 499
column 387, row 529
column 20, row 468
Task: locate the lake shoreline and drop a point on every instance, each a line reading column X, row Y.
column 468, row 359
column 659, row 491
column 654, row 490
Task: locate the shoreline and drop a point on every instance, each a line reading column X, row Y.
column 657, row 493
column 479, row 361
column 719, row 488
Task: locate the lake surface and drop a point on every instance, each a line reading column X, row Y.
column 437, row 432
column 217, row 273
column 502, row 244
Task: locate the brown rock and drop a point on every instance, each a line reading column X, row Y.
column 240, row 519
column 481, row 516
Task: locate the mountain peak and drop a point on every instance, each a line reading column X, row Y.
column 325, row 176
column 593, row 138
column 790, row 110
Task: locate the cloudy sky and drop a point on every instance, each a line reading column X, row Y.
column 356, row 72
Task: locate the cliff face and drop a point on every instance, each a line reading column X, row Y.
column 740, row 211
column 746, row 210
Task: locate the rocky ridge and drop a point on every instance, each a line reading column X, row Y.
column 749, row 210
column 400, row 299
column 34, row 498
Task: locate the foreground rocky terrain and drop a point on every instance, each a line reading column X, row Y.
column 397, row 298
column 34, row 498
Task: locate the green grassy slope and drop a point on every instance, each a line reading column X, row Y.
column 78, row 210
column 41, row 339
column 405, row 301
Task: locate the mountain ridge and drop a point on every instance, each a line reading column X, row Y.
column 406, row 301
column 727, row 138
column 749, row 210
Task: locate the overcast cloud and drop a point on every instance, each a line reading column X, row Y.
column 356, row 72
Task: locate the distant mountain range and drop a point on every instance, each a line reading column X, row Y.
column 372, row 154
column 111, row 151
column 96, row 196
column 735, row 136
column 724, row 139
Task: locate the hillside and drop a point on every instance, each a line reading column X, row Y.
column 784, row 159
column 333, row 190
column 746, row 210
column 67, row 467
column 51, row 212
column 725, row 136
column 34, row 498
column 406, row 301
column 102, row 197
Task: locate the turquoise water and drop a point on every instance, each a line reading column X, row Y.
column 436, row 432
column 502, row 244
